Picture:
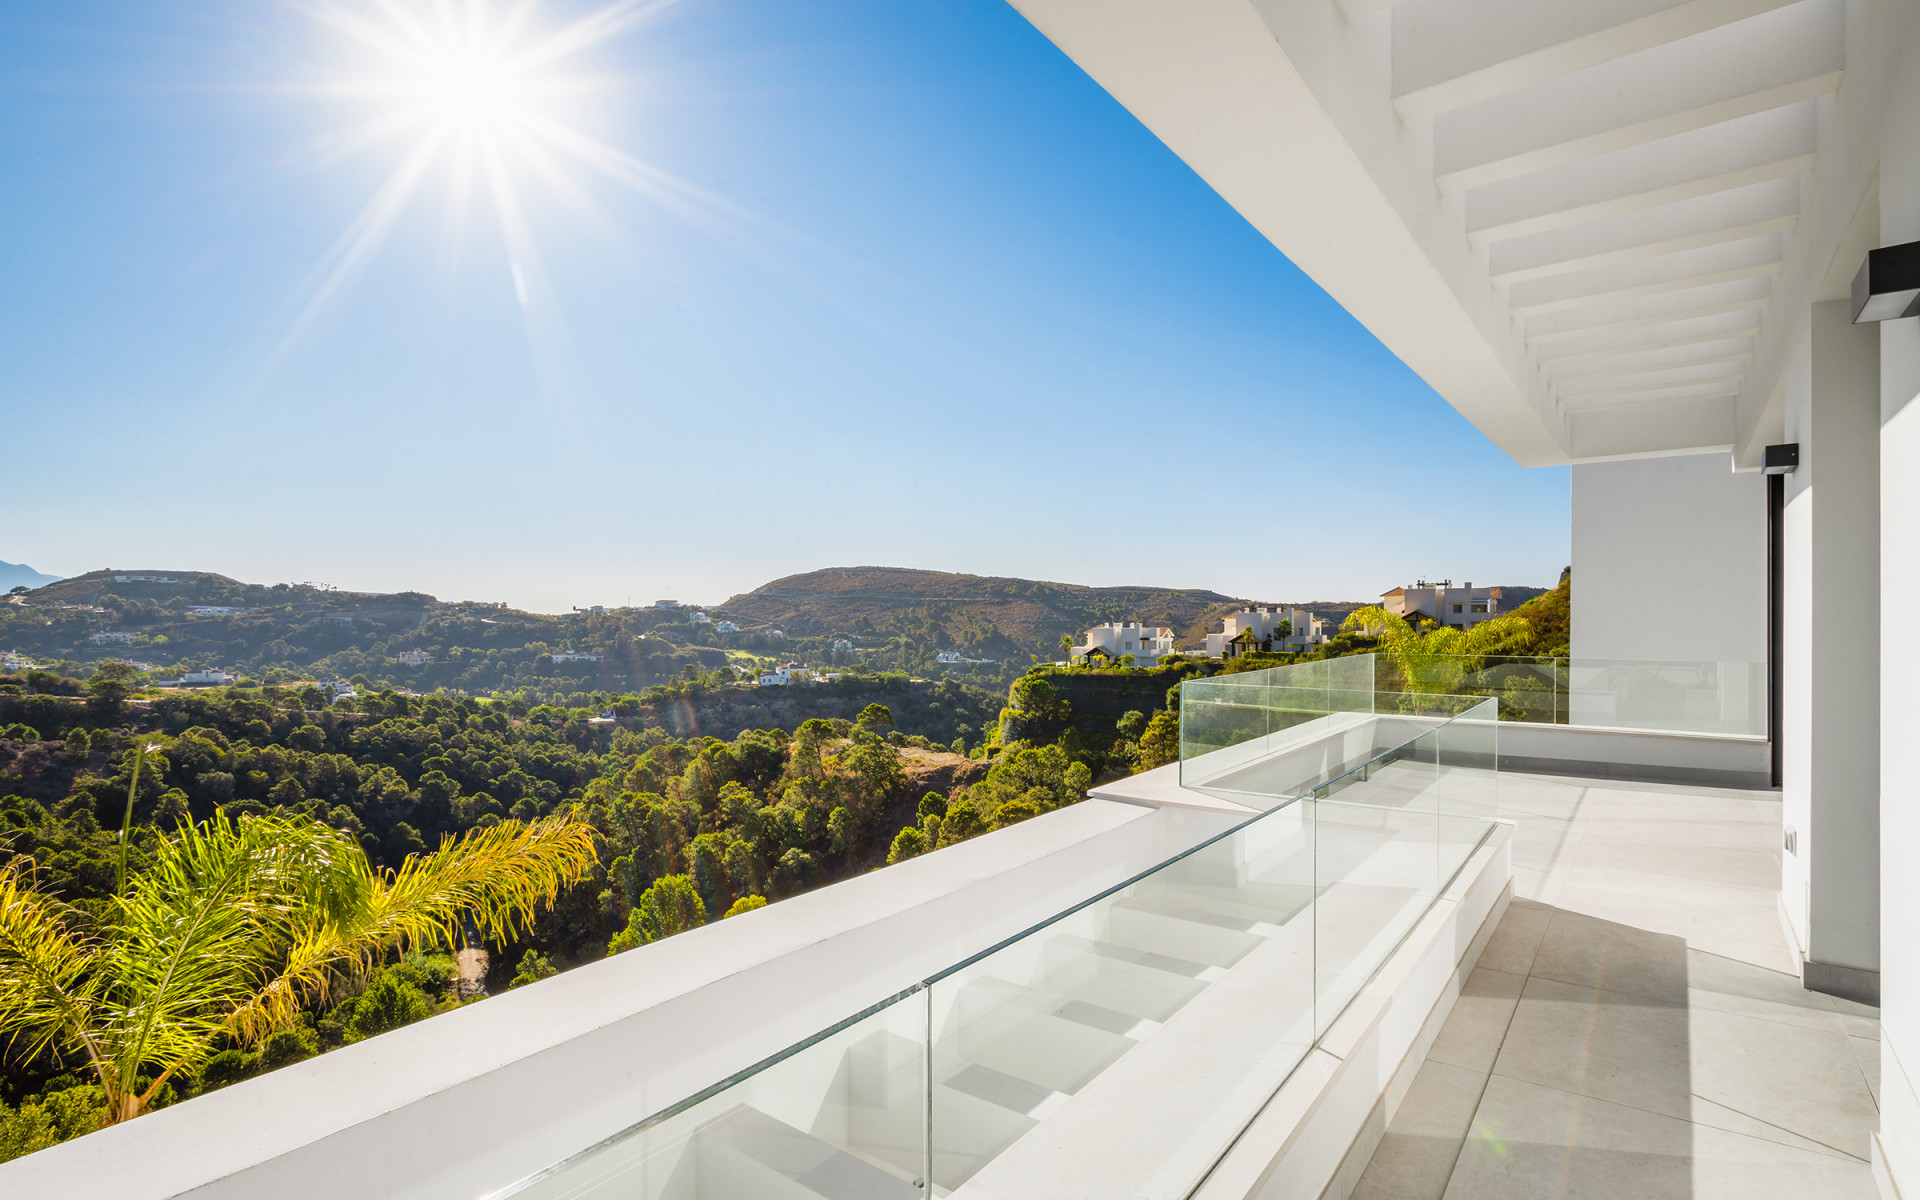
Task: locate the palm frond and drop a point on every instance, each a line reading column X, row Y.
column 203, row 931
column 498, row 876
column 47, row 965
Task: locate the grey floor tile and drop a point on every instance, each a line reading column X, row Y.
column 1807, row 1081
column 1866, row 1052
column 1530, row 1142
column 1517, row 938
column 1613, row 956
column 1416, row 1156
column 1613, row 1046
column 1471, row 1037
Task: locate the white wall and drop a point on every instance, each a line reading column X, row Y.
column 1898, row 1148
column 1830, row 736
column 1669, row 560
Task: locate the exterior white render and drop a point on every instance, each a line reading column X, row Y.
column 1620, row 234
column 1264, row 624
column 1147, row 643
column 1460, row 607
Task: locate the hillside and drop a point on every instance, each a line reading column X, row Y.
column 981, row 616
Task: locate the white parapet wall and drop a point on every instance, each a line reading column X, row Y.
column 470, row 1101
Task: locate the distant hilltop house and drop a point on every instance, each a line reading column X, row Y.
column 947, row 656
column 606, row 717
column 135, row 663
column 791, row 673
column 225, row 610
column 573, row 656
column 696, row 617
column 666, row 605
column 725, row 627
column 14, row 662
column 843, row 645
column 593, row 610
column 1253, row 629
column 210, row 675
column 1461, row 607
column 414, row 658
column 111, row 638
column 143, row 579
column 1147, row 643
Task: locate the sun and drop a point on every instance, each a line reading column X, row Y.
column 482, row 97
column 470, row 88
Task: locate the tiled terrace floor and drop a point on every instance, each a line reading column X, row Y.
column 1631, row 1031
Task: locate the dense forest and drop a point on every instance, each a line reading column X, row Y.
column 689, row 828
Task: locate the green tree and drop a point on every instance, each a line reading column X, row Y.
column 876, row 717
column 533, row 967
column 1160, row 741
column 962, row 822
column 1434, row 662
column 108, row 690
column 672, row 905
column 743, row 905
column 908, row 843
column 235, row 927
column 388, row 1003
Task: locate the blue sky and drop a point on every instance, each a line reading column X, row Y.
column 921, row 294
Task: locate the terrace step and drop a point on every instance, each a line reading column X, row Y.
column 748, row 1153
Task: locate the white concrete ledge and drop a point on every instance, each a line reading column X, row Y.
column 470, row 1101
column 1666, row 756
column 1333, row 1108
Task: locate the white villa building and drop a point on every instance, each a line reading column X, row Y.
column 1147, row 643
column 564, row 656
column 210, row 675
column 112, row 638
column 215, row 610
column 1461, row 607
column 1659, row 938
column 843, row 645
column 1262, row 626
column 725, row 627
column 413, row 658
column 789, row 673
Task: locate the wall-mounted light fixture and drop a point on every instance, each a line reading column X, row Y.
column 1776, row 463
column 1888, row 285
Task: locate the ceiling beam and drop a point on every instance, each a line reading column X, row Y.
column 1719, row 385
column 1743, row 333
column 1576, row 54
column 1627, row 254
column 1545, row 307
column 1714, row 310
column 1711, row 359
column 1639, row 133
column 1579, row 214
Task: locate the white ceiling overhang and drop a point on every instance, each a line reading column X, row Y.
column 1573, row 218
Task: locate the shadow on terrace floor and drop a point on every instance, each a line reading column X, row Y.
column 1625, row 1033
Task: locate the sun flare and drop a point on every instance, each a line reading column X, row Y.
column 485, row 98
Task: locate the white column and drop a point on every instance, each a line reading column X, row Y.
column 1897, row 1147
column 1830, row 740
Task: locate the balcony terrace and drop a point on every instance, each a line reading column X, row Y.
column 1336, row 921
